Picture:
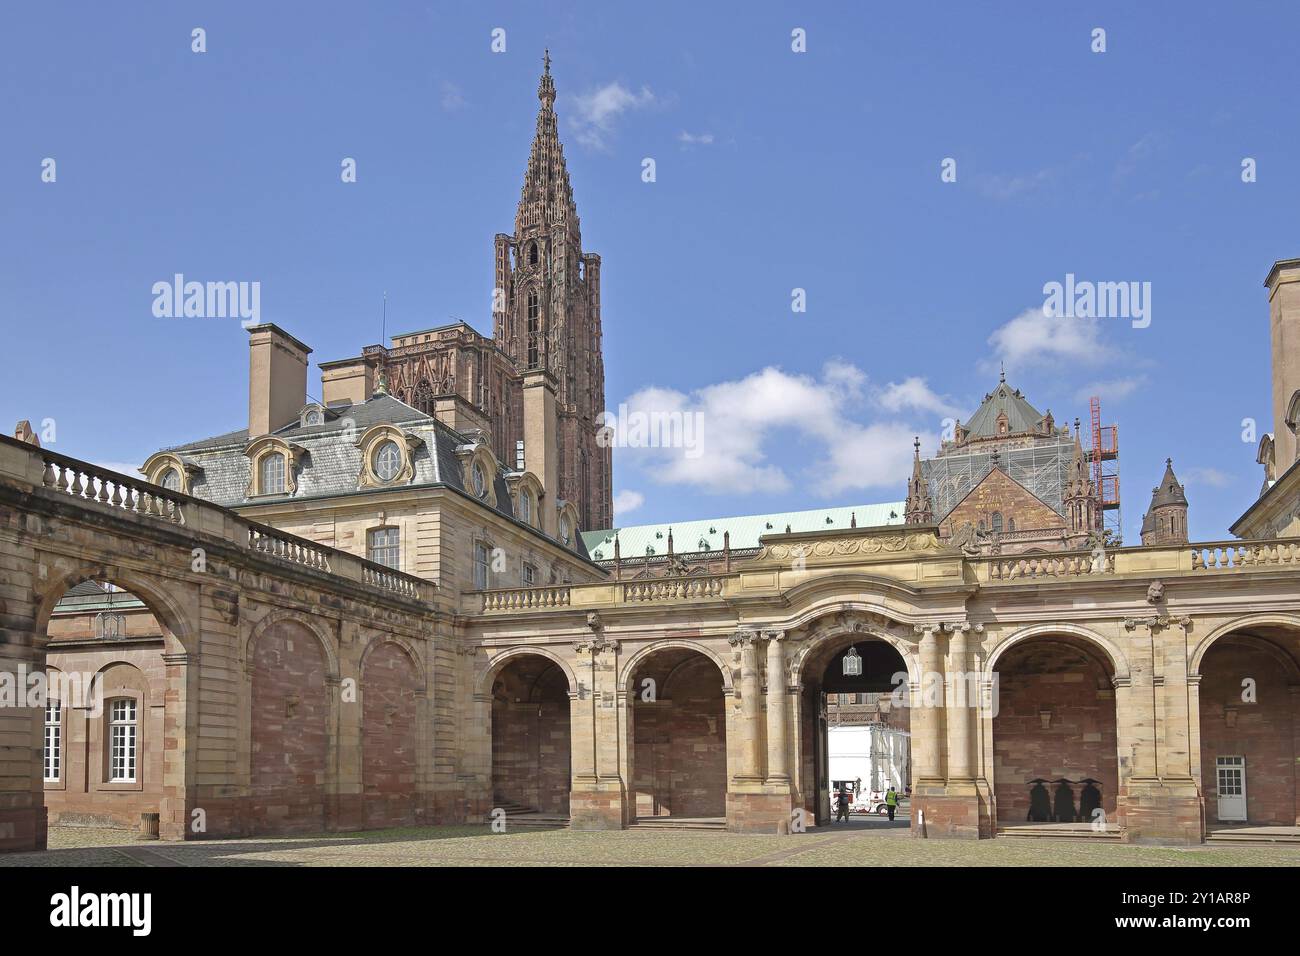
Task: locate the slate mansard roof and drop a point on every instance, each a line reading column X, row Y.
column 331, row 462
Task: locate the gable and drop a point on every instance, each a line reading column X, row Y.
column 999, row 493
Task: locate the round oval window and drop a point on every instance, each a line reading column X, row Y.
column 388, row 461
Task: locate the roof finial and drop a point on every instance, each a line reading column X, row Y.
column 916, row 445
column 546, row 61
column 1004, row 372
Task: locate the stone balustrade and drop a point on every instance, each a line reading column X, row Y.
column 1063, row 565
column 80, row 479
column 1221, row 556
column 674, row 589
column 38, row 468
column 525, row 599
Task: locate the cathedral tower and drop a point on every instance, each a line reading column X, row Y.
column 546, row 313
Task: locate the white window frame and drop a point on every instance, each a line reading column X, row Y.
column 380, row 549
column 123, row 740
column 266, row 487
column 482, row 566
column 394, row 459
column 53, row 741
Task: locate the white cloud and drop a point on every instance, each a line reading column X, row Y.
column 451, row 97
column 627, row 501
column 596, row 112
column 999, row 186
column 695, row 139
column 741, row 422
column 1206, row 476
column 1115, row 389
column 914, row 393
column 1032, row 338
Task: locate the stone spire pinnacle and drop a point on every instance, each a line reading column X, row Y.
column 919, row 508
column 547, row 197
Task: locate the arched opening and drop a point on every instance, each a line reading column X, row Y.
column 855, row 729
column 1055, row 750
column 678, row 737
column 1250, row 728
column 531, row 771
column 290, row 721
column 106, row 708
column 390, row 687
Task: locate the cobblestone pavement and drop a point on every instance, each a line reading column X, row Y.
column 478, row 846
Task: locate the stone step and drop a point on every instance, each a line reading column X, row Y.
column 1255, row 837
column 679, row 823
column 1061, row 831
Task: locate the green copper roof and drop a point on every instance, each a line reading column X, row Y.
column 745, row 530
column 1021, row 416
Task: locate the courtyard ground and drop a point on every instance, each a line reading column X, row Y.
column 859, row 844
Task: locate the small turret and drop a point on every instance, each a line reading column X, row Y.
column 1166, row 520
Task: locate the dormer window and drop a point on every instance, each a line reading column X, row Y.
column 526, row 506
column 313, row 417
column 271, row 474
column 479, row 478
column 566, row 530
column 170, row 479
column 388, row 461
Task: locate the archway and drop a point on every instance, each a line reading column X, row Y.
column 531, row 771
column 1055, row 749
column 107, row 709
column 855, row 725
column 1250, row 727
column 677, row 738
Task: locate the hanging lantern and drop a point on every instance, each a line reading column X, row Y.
column 852, row 663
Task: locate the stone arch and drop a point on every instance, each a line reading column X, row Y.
column 630, row 666
column 1246, row 742
column 1242, row 624
column 852, row 625
column 179, row 634
column 483, row 687
column 678, row 733
column 407, row 648
column 1114, row 656
column 528, row 705
column 1052, row 736
column 281, row 615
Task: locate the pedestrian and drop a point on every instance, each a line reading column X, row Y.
column 842, row 806
column 891, row 801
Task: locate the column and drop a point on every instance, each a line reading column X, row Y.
column 961, row 702
column 927, row 719
column 777, row 745
column 750, row 766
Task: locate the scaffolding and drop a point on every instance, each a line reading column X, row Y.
column 1043, row 467
column 1104, row 456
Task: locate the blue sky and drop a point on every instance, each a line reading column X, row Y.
column 775, row 171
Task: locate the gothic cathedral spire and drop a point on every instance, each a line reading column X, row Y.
column 546, row 312
column 919, row 508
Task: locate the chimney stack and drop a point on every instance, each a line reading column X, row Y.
column 541, row 440
column 1283, row 284
column 277, row 378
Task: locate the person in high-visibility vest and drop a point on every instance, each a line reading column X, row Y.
column 891, row 801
